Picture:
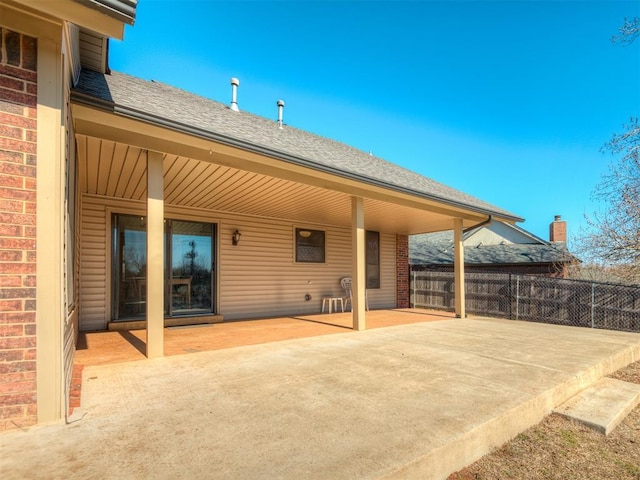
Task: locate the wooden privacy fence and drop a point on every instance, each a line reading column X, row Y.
column 538, row 299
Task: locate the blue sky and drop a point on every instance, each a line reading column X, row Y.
column 509, row 101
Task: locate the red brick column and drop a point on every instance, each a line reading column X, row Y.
column 402, row 271
column 18, row 108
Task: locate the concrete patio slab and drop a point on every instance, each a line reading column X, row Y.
column 603, row 405
column 411, row 401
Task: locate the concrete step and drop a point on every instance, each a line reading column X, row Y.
column 603, row 405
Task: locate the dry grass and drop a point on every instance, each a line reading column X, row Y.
column 559, row 449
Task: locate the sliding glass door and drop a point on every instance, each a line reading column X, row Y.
column 189, row 281
column 130, row 267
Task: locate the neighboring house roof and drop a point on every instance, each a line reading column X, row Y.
column 437, row 249
column 122, row 10
column 170, row 107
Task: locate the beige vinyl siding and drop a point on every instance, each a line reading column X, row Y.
column 256, row 278
column 260, row 278
column 70, row 255
column 93, row 50
column 69, row 350
column 93, row 265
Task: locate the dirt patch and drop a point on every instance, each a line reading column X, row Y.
column 628, row 374
column 558, row 448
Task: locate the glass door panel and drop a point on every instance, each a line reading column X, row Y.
column 131, row 267
column 191, row 277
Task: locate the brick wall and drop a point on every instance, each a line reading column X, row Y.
column 402, row 271
column 18, row 95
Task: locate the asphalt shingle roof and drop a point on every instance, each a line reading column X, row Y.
column 437, row 249
column 184, row 111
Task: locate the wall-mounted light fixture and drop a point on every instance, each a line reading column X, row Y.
column 235, row 238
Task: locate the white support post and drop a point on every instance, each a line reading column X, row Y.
column 458, row 267
column 358, row 306
column 155, row 255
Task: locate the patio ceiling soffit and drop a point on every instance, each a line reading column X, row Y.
column 151, row 133
column 149, row 137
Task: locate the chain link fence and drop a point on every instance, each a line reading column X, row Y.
column 537, row 299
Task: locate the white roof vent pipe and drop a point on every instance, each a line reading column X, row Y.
column 235, row 83
column 280, row 104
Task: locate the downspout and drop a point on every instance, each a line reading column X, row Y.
column 481, row 224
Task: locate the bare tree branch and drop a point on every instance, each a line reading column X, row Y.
column 613, row 235
column 628, row 32
column 611, row 242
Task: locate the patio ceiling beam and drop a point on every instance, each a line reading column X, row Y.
column 102, row 124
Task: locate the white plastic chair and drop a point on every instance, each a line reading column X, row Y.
column 345, row 283
column 332, row 302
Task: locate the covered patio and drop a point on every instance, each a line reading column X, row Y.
column 418, row 400
column 252, row 218
column 111, row 347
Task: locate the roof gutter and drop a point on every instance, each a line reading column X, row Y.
column 134, row 114
column 122, row 10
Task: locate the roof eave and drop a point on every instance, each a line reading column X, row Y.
column 95, row 15
column 122, row 10
column 138, row 115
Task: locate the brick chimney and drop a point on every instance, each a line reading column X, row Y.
column 558, row 230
